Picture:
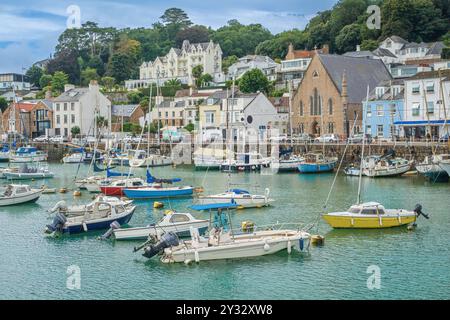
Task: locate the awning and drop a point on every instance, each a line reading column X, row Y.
column 422, row 122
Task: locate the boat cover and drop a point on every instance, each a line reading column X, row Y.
column 214, row 206
column 239, row 191
column 152, row 179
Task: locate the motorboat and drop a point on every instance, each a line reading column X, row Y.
column 246, row 162
column 286, row 163
column 352, row 171
column 223, row 243
column 116, row 187
column 102, row 216
column 317, row 163
column 76, row 210
column 12, row 194
column 27, row 173
column 372, row 215
column 90, row 156
column 6, row 170
column 210, row 158
column 76, row 156
column 431, row 169
column 139, row 158
column 242, row 198
column 28, row 154
column 177, row 222
column 5, row 153
column 385, row 166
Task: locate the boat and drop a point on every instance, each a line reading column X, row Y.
column 6, row 170
column 121, row 159
column 317, row 163
column 5, row 153
column 17, row 193
column 385, row 166
column 102, row 216
column 26, row 173
column 139, row 158
column 223, row 243
column 370, row 215
column 444, row 163
column 158, row 191
column 286, row 164
column 28, row 154
column 176, row 222
column 352, row 170
column 89, row 156
column 209, row 158
column 78, row 155
column 242, row 198
column 76, row 210
column 431, row 169
column 245, row 162
column 116, row 187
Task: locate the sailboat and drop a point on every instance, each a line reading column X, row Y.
column 371, row 215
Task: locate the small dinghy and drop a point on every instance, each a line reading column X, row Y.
column 97, row 219
column 176, row 222
column 16, row 194
column 76, row 156
column 26, row 173
column 76, row 210
column 223, row 243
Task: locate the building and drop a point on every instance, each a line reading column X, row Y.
column 178, row 64
column 169, row 113
column 383, row 109
column 76, row 107
column 9, row 81
column 407, row 70
column 30, row 118
column 125, row 113
column 269, row 67
column 281, row 104
column 427, row 105
column 295, row 64
column 329, row 97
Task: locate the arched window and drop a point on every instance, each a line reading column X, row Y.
column 317, row 103
column 311, row 105
column 301, row 108
column 330, row 106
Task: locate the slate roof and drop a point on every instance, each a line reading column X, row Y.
column 48, row 103
column 125, row 110
column 359, row 54
column 436, row 48
column 382, row 52
column 430, row 74
column 398, row 39
column 359, row 74
column 71, row 95
column 388, row 94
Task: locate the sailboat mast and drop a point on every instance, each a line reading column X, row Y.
column 443, row 101
column 230, row 140
column 363, row 145
column 290, row 110
column 148, row 123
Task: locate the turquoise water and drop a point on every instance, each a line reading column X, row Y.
column 413, row 264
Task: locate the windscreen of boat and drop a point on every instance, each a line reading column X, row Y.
column 372, row 211
column 179, row 218
column 354, row 210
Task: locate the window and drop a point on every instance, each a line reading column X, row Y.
column 301, row 128
column 430, row 87
column 301, row 108
column 416, row 109
column 380, row 130
column 369, row 130
column 380, row 112
column 58, row 120
column 72, row 118
column 72, row 106
column 190, row 113
column 178, row 218
column 330, row 106
column 65, row 106
column 330, row 127
column 369, row 112
column 167, row 114
column 173, row 114
column 209, row 116
column 393, row 109
column 159, row 114
column 57, row 107
column 430, row 107
column 415, row 88
column 65, row 118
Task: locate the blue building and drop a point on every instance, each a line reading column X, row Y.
column 384, row 108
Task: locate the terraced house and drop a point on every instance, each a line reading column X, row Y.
column 329, row 97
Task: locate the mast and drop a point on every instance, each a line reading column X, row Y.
column 428, row 116
column 362, row 151
column 230, row 121
column 148, row 123
column 443, row 101
column 290, row 110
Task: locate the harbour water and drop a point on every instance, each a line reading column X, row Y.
column 412, row 264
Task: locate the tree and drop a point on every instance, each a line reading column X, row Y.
column 189, row 127
column 88, row 75
column 34, row 73
column 205, row 78
column 277, row 47
column 45, row 81
column 348, row 38
column 67, row 62
column 254, row 80
column 59, row 80
column 173, row 83
column 176, row 16
column 197, row 73
column 195, row 34
column 122, row 67
column 3, row 104
column 108, row 82
column 369, row 45
column 75, row 130
column 228, row 61
column 135, row 97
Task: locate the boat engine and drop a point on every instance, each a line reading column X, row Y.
column 167, row 240
column 114, row 225
column 59, row 206
column 419, row 212
column 58, row 222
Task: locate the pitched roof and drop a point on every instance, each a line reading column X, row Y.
column 398, row 39
column 359, row 73
column 359, row 54
column 436, row 48
column 71, row 95
column 382, row 52
column 430, row 74
column 279, row 101
column 125, row 110
column 195, row 93
column 25, row 106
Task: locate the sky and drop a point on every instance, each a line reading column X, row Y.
column 29, row 29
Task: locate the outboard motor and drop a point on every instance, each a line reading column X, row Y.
column 57, row 224
column 419, row 212
column 59, row 206
column 114, row 225
column 167, row 240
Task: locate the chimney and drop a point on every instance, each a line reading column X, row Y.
column 68, row 87
column 344, row 93
column 358, row 47
column 290, row 54
column 325, row 49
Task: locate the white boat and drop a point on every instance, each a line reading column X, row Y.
column 27, row 173
column 444, row 163
column 246, row 162
column 290, row 163
column 5, row 154
column 6, row 170
column 76, row 210
column 74, row 158
column 209, row 163
column 223, row 243
column 177, row 222
column 210, row 158
column 28, row 154
column 352, row 171
column 82, row 183
column 376, row 166
column 139, row 158
column 431, row 169
column 242, row 198
column 16, row 194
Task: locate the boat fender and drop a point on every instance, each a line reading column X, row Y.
column 76, row 193
column 301, row 243
column 266, row 246
column 158, row 205
column 59, row 206
column 197, row 257
column 289, row 249
column 58, row 222
column 114, row 225
column 167, row 240
column 85, row 228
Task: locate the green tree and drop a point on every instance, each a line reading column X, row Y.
column 35, row 73
column 3, row 104
column 254, row 80
column 189, row 127
column 197, row 73
column 277, row 47
column 369, row 45
column 89, row 74
column 176, row 16
column 122, row 67
column 45, row 81
column 59, row 80
column 195, row 34
column 228, row 61
column 75, row 130
column 67, row 62
column 204, row 79
column 108, row 82
column 348, row 38
column 135, row 97
column 173, row 83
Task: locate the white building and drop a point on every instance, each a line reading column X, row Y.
column 263, row 63
column 76, row 107
column 9, row 81
column 178, row 64
column 427, row 104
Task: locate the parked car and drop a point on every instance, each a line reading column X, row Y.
column 43, row 138
column 444, row 138
column 303, row 137
column 358, row 138
column 327, row 138
column 58, row 139
column 278, row 138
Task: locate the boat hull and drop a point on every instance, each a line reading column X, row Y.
column 387, row 172
column 316, row 167
column 369, row 222
column 154, row 193
column 433, row 172
column 30, row 158
column 445, row 166
column 27, row 176
column 285, row 166
column 114, row 191
column 254, row 202
column 31, row 197
column 142, row 233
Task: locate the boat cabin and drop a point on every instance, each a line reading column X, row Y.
column 12, row 190
column 372, row 208
column 313, row 157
